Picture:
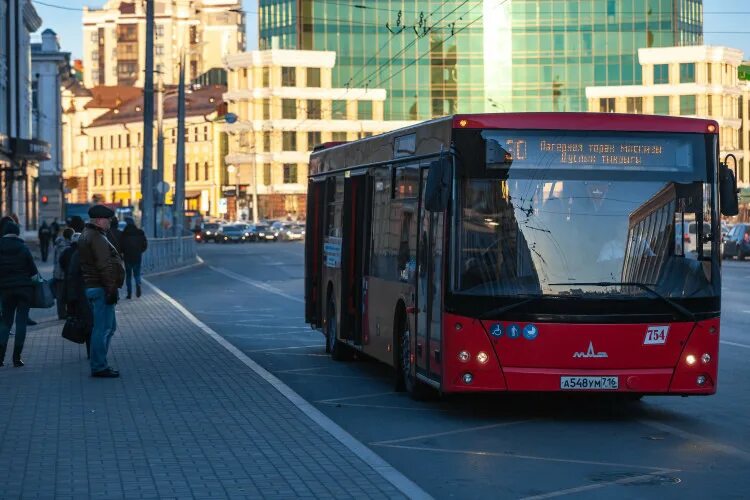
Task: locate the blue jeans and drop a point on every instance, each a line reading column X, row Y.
column 132, row 269
column 105, row 325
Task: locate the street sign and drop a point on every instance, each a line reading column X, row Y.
column 162, row 187
column 230, row 117
column 222, row 208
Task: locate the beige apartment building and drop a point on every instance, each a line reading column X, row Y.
column 106, row 157
column 114, row 39
column 285, row 105
column 696, row 81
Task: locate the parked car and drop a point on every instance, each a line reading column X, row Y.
column 232, row 233
column 209, row 232
column 261, row 232
column 735, row 244
column 291, row 232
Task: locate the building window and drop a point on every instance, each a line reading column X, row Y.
column 94, row 36
column 313, row 139
column 174, row 136
column 99, row 177
column 266, row 77
column 289, row 141
column 364, row 110
column 196, row 176
column 661, row 105
column 127, row 140
column 709, row 68
column 288, row 77
column 159, row 30
column 710, row 104
column 159, row 49
column 289, row 108
column 687, row 73
column 313, row 77
column 290, row 173
column 267, row 141
column 607, row 105
column 338, row 110
column 635, row 105
column 313, row 109
column 128, row 171
column 266, row 174
column 205, row 171
column 338, row 136
column 687, row 104
column 195, row 134
column 661, row 73
column 266, row 109
column 205, row 132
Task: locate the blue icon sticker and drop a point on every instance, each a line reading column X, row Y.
column 514, row 331
column 496, row 330
column 530, row 332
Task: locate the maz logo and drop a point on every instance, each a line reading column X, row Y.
column 590, row 353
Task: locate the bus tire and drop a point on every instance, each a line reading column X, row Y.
column 404, row 377
column 337, row 350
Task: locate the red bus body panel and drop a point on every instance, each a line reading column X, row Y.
column 519, row 364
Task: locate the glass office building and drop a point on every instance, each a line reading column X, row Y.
column 439, row 57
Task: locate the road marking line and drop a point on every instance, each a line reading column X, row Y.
column 296, row 370
column 359, row 449
column 294, row 354
column 724, row 448
column 589, row 487
column 285, row 348
column 358, row 396
column 735, row 344
column 325, row 375
column 257, row 284
column 524, row 457
column 457, row 431
column 388, row 407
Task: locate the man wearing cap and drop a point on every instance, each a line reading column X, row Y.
column 103, row 274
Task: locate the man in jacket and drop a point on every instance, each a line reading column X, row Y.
column 133, row 243
column 103, row 274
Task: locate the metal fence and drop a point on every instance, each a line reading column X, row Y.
column 164, row 254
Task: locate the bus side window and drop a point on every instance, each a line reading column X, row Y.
column 405, row 257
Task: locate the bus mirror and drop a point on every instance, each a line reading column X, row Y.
column 728, row 199
column 437, row 190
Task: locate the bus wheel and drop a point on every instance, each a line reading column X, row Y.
column 337, row 350
column 405, row 378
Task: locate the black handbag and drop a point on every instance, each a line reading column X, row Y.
column 43, row 297
column 76, row 329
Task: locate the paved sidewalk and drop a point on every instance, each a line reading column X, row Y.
column 187, row 419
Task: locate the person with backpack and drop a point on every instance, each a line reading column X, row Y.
column 17, row 268
column 133, row 243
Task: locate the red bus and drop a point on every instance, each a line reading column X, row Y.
column 523, row 252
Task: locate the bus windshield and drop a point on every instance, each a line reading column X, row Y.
column 566, row 214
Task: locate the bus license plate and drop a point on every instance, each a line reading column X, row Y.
column 589, row 383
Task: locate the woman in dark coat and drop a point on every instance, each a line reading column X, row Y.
column 16, row 289
column 74, row 291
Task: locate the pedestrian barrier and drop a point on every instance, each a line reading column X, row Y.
column 164, row 254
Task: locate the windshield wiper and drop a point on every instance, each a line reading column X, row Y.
column 643, row 286
column 493, row 313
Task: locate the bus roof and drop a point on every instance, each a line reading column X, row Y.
column 586, row 121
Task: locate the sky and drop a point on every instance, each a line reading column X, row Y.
column 726, row 22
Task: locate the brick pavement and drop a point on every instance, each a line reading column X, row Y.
column 187, row 419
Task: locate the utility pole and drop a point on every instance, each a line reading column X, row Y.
column 179, row 181
column 147, row 175
column 159, row 155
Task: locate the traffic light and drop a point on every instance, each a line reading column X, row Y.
column 45, row 199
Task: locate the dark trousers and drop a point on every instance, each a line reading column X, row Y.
column 132, row 270
column 62, row 312
column 15, row 304
column 44, row 248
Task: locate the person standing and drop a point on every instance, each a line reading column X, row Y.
column 16, row 289
column 55, row 229
column 61, row 244
column 133, row 243
column 115, row 235
column 103, row 275
column 74, row 289
column 45, row 234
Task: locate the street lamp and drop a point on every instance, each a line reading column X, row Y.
column 234, row 170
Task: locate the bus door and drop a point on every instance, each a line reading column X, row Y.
column 429, row 288
column 352, row 255
column 316, row 203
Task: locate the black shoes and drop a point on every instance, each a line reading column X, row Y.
column 137, row 290
column 108, row 373
column 18, row 362
column 129, row 297
column 30, row 322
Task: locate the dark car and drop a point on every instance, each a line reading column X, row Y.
column 209, row 232
column 232, row 233
column 261, row 232
column 736, row 244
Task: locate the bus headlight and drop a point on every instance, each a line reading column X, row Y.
column 464, row 356
column 482, row 357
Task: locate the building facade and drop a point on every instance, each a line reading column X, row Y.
column 113, row 153
column 51, row 70
column 698, row 81
column 438, row 57
column 114, row 39
column 20, row 152
column 285, row 104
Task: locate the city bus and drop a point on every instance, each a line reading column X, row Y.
column 523, row 252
